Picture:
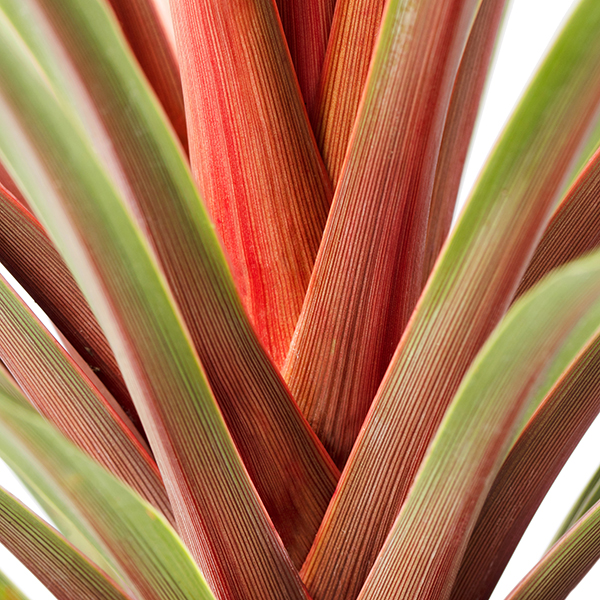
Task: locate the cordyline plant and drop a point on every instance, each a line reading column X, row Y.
column 282, row 377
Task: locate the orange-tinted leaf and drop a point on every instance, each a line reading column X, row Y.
column 306, row 24
column 468, row 292
column 460, row 122
column 368, row 274
column 253, row 156
column 34, row 262
column 351, row 42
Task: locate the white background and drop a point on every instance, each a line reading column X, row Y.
column 529, row 28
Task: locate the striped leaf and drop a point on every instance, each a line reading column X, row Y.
column 146, row 549
column 63, row 570
column 471, row 287
column 148, row 36
column 34, row 262
column 63, row 393
column 349, row 50
column 368, row 275
column 421, row 555
column 217, row 510
column 534, row 462
column 574, row 229
column 460, row 122
column 306, row 25
column 565, row 565
column 160, row 192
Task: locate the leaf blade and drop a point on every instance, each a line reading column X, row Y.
column 270, row 220
column 471, row 287
column 129, row 295
column 421, row 555
column 161, row 193
column 368, row 274
column 63, row 570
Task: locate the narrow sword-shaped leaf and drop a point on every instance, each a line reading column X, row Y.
column 534, row 461
column 34, row 262
column 460, row 122
column 421, row 555
column 565, row 565
column 253, row 156
column 217, row 510
column 306, row 24
column 349, row 50
column 145, row 547
column 61, row 568
column 574, row 229
column 470, row 289
column 368, row 274
column 298, row 476
column 587, row 499
column 155, row 51
column 61, row 392
column 8, row 591
column 35, row 473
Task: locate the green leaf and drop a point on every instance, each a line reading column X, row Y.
column 8, row 591
column 574, row 229
column 217, row 510
column 154, row 49
column 142, row 543
column 587, row 499
column 460, row 122
column 368, row 274
column 63, row 394
column 63, row 570
column 565, row 565
column 470, row 289
column 422, row 552
column 536, row 458
column 160, row 193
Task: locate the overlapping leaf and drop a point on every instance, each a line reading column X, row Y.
column 216, row 507
column 460, row 122
column 33, row 261
column 63, row 570
column 289, row 467
column 368, row 274
column 529, row 470
column 468, row 292
column 306, row 24
column 421, row 554
column 154, row 49
column 574, row 229
column 145, row 548
column 253, row 155
column 349, row 49
column 58, row 388
column 563, row 567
